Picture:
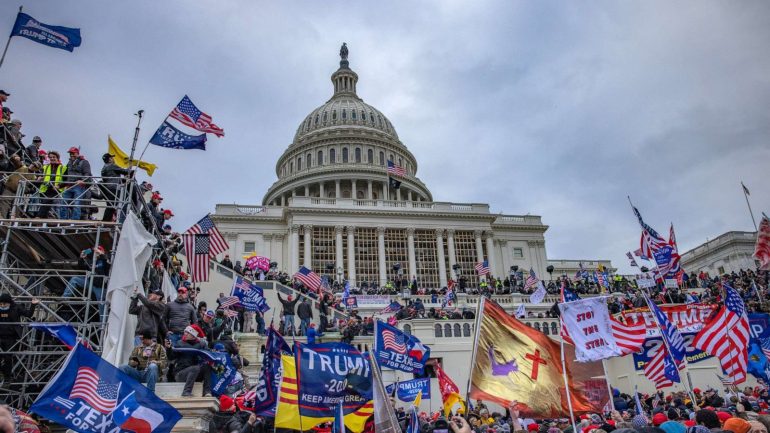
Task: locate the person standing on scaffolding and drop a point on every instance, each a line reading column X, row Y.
column 111, row 181
column 52, row 177
column 76, row 178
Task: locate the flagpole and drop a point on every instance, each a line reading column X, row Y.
column 566, row 382
column 607, row 380
column 7, row 44
column 745, row 194
column 139, row 114
column 479, row 312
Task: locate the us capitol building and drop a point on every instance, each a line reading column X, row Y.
column 332, row 209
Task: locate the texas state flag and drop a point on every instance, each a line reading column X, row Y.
column 132, row 416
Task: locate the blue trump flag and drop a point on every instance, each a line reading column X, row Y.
column 328, row 373
column 172, row 138
column 267, row 387
column 222, row 371
column 90, row 395
column 407, row 391
column 396, row 350
column 251, row 296
column 64, row 38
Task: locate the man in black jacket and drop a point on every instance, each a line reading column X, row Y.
column 288, row 313
column 76, row 180
column 189, row 366
column 111, row 181
column 305, row 313
column 149, row 315
column 11, row 312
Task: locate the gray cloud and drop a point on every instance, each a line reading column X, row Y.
column 551, row 108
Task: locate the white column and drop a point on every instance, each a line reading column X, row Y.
column 441, row 264
column 450, row 240
column 398, row 194
column 353, row 187
column 369, row 188
column 410, row 251
column 381, row 255
column 351, row 255
column 293, row 192
column 308, row 262
column 338, row 248
column 321, row 190
column 490, row 253
column 294, row 249
column 267, row 242
column 283, row 200
column 479, row 248
column 307, row 190
column 337, row 190
column 409, row 195
column 276, row 249
column 384, row 191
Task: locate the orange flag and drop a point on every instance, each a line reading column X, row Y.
column 517, row 363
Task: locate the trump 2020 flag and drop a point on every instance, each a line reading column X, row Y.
column 63, row 331
column 267, row 387
column 251, row 296
column 90, row 395
column 588, row 324
column 172, row 138
column 64, row 38
column 396, row 350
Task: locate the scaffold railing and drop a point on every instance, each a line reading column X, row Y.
column 49, row 256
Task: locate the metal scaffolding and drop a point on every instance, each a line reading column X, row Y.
column 42, row 256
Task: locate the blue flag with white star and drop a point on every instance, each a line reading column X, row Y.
column 90, row 395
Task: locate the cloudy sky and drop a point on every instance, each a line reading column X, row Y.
column 554, row 108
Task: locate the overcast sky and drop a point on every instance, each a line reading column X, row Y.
column 559, row 109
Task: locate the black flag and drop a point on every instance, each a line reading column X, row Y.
column 394, row 183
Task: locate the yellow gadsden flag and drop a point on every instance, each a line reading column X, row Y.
column 287, row 416
column 517, row 363
column 121, row 158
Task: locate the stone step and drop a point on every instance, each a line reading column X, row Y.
column 174, row 389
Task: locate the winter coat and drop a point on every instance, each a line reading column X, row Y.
column 179, row 315
column 305, row 311
column 149, row 315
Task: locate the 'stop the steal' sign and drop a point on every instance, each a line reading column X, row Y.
column 588, row 324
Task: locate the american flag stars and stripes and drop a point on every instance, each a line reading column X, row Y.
column 205, row 242
column 392, row 308
column 482, row 268
column 726, row 336
column 661, row 369
column 531, row 279
column 229, row 302
column 189, row 115
column 90, row 388
column 395, row 170
column 629, row 338
column 393, row 342
column 310, row 279
column 669, row 331
column 218, row 244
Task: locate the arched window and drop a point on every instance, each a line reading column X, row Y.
column 291, row 167
column 466, row 330
column 316, row 119
column 334, row 115
column 320, row 158
column 344, row 114
column 391, row 158
column 353, row 114
column 309, row 158
column 358, row 154
column 400, row 164
column 344, row 154
column 448, row 330
column 537, row 326
column 382, row 158
column 363, row 115
column 379, row 120
column 546, row 329
column 332, row 156
column 371, row 117
column 324, row 117
column 299, row 163
column 554, row 328
column 408, row 329
column 457, row 329
column 370, row 156
column 437, row 331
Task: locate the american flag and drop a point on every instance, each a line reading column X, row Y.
column 396, row 170
column 99, row 394
column 629, row 338
column 392, row 308
column 669, row 331
column 242, row 283
column 230, row 313
column 203, row 241
column 661, row 369
column 229, row 302
column 482, row 268
column 762, row 247
column 310, row 279
column 726, row 336
column 631, row 258
column 393, row 341
column 187, row 113
column 725, row 382
column 531, row 279
column 765, row 343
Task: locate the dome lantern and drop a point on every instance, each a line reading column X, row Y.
column 344, row 79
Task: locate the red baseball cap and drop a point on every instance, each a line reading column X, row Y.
column 157, row 196
column 73, row 149
column 182, row 289
column 168, row 212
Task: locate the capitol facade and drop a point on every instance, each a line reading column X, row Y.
column 334, row 210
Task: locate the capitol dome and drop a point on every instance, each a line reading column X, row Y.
column 341, row 150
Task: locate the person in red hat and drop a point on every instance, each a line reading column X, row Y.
column 189, row 368
column 77, row 177
column 180, row 314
